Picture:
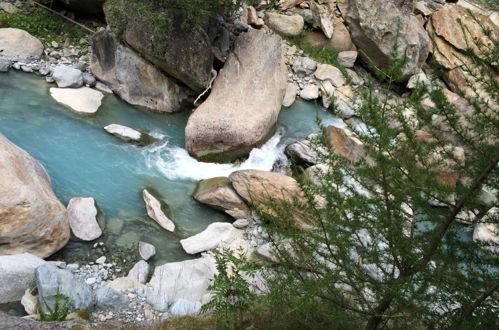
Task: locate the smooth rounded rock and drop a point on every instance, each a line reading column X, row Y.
column 19, row 45
column 210, row 238
column 83, row 100
column 146, row 250
column 66, row 76
column 82, row 215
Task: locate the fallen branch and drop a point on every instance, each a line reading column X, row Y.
column 67, row 18
column 213, row 76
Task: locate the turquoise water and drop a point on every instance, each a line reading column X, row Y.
column 83, row 160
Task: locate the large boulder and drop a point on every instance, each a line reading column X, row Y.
column 133, row 78
column 183, row 53
column 19, row 45
column 188, row 280
column 242, row 109
column 17, row 275
column 219, row 194
column 210, row 238
column 83, row 100
column 376, row 26
column 52, row 283
column 32, row 218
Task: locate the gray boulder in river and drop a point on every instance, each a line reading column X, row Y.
column 373, row 27
column 32, row 219
column 242, row 109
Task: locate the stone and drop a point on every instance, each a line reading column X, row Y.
column 188, row 280
column 5, row 64
column 345, row 143
column 82, row 215
column 240, row 27
column 240, row 223
column 265, row 251
column 323, row 15
column 310, row 92
column 328, row 72
column 288, row 4
column 17, row 275
column 304, row 66
column 327, row 93
column 139, row 272
column 124, row 133
column 146, row 250
column 313, row 173
column 376, row 26
column 486, row 232
column 8, row 7
column 182, row 53
column 347, row 58
column 19, row 45
column 290, row 95
column 257, row 186
column 242, row 109
column 66, row 76
column 123, row 284
column 52, row 281
column 83, row 100
column 89, row 79
column 210, row 238
column 101, row 260
column 346, row 100
column 30, row 303
column 33, row 219
column 418, row 79
column 155, row 212
column 219, row 194
column 253, row 18
column 287, row 26
column 109, row 299
column 301, row 152
column 182, row 307
column 131, row 77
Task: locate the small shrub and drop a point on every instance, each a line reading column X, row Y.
column 60, row 310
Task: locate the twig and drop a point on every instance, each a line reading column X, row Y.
column 67, row 18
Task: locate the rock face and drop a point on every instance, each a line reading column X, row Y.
column 66, row 76
column 242, row 109
column 219, row 194
column 33, row 219
column 52, row 281
column 154, row 211
column 19, row 45
column 82, row 215
column 83, row 100
column 182, row 53
column 210, row 238
column 131, row 77
column 372, row 26
column 454, row 31
column 260, row 186
column 17, row 275
column 285, row 25
column 188, row 280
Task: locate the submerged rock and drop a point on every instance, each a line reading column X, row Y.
column 242, row 109
column 17, row 275
column 82, row 215
column 53, row 282
column 66, row 76
column 210, row 238
column 219, row 194
column 131, row 77
column 83, row 100
column 19, row 45
column 188, row 280
column 32, row 218
column 128, row 134
column 155, row 212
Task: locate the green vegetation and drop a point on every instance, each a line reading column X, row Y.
column 58, row 312
column 42, row 24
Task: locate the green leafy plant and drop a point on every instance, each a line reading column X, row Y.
column 231, row 292
column 59, row 311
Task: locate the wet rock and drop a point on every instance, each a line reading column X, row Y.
column 146, row 250
column 33, row 219
column 290, row 95
column 210, row 238
column 66, row 76
column 242, row 109
column 82, row 215
column 310, row 92
column 139, row 272
column 19, row 45
column 219, row 194
column 131, row 77
column 83, row 100
column 52, row 282
column 372, row 25
column 108, row 299
column 155, row 212
column 17, row 275
column 188, row 280
column 285, row 25
column 5, row 64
